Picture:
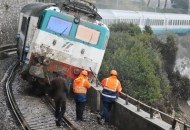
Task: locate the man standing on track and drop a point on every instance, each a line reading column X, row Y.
column 80, row 86
column 111, row 86
column 60, row 89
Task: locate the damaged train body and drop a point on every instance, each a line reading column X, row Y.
column 67, row 37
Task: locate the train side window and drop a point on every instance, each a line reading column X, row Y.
column 147, row 22
column 24, row 25
column 162, row 22
column 60, row 26
column 40, row 21
column 87, row 34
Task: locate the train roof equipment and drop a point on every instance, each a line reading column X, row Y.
column 80, row 7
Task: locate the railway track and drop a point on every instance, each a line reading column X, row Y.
column 10, row 48
column 33, row 113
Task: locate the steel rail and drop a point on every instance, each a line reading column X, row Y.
column 65, row 119
column 7, row 47
column 11, row 98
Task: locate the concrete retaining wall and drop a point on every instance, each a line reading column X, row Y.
column 126, row 117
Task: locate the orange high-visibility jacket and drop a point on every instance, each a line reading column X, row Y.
column 112, row 83
column 111, row 86
column 80, row 85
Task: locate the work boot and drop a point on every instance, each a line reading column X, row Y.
column 57, row 122
column 98, row 119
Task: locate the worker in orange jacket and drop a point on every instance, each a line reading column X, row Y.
column 111, row 86
column 80, row 86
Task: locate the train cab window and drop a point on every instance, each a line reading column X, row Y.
column 24, row 25
column 59, row 26
column 88, row 35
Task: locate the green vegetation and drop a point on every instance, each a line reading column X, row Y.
column 144, row 63
column 138, row 63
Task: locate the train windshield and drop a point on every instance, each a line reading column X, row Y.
column 59, row 26
column 87, row 34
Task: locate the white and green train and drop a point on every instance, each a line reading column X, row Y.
column 159, row 22
column 66, row 37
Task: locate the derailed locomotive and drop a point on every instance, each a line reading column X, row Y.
column 67, row 37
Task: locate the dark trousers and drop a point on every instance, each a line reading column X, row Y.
column 106, row 109
column 80, row 109
column 60, row 108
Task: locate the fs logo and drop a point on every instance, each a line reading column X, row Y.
column 67, row 46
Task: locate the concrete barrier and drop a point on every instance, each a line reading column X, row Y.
column 126, row 117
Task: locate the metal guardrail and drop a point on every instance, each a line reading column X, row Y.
column 152, row 110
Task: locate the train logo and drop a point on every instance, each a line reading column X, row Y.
column 67, row 47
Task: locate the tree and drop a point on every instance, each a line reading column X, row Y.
column 138, row 64
column 169, row 52
column 148, row 30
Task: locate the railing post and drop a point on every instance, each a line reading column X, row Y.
column 96, row 83
column 117, row 95
column 185, row 127
column 151, row 113
column 174, row 124
column 127, row 100
column 138, row 106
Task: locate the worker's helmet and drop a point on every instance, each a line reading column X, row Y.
column 113, row 72
column 84, row 72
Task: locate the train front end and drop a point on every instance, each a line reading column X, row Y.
column 64, row 42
